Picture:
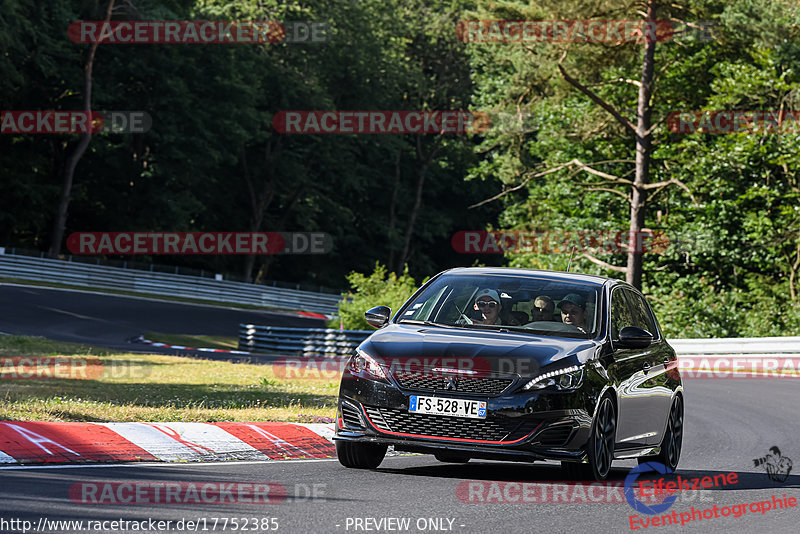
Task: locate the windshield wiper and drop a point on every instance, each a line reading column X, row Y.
column 517, row 329
column 461, row 313
column 501, row 327
column 417, row 321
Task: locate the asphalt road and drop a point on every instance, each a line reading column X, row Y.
column 110, row 320
column 728, row 424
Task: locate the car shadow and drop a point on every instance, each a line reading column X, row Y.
column 545, row 473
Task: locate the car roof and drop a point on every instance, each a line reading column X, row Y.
column 588, row 279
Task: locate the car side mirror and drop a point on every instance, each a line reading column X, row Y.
column 633, row 337
column 378, row 316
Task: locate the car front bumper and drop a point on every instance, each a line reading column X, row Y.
column 524, row 426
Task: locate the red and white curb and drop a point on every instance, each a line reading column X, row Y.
column 315, row 315
column 141, row 339
column 25, row 442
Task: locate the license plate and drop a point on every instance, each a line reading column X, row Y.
column 453, row 407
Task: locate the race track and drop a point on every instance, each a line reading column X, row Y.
column 729, row 423
column 110, row 320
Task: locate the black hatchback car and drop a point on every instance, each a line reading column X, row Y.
column 518, row 365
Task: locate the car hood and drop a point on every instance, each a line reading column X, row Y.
column 497, row 353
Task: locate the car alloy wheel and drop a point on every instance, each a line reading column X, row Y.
column 600, row 447
column 601, row 444
column 360, row 455
column 671, row 445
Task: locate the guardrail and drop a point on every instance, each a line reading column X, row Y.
column 320, row 341
column 174, row 285
column 751, row 346
column 296, row 341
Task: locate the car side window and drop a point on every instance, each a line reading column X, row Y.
column 620, row 313
column 642, row 317
column 422, row 312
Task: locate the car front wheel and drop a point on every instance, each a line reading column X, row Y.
column 600, row 447
column 360, row 455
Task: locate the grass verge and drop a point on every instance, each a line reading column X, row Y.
column 44, row 380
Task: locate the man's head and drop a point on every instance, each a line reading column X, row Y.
column 543, row 308
column 573, row 310
column 487, row 301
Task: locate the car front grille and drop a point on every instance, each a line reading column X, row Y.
column 350, row 416
column 489, row 386
column 497, row 429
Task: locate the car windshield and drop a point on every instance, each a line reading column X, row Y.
column 537, row 305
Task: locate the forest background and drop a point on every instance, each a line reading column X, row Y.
column 562, row 155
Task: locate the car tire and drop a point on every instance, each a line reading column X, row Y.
column 360, row 455
column 672, row 442
column 601, row 442
column 451, row 458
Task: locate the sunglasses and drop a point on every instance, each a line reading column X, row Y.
column 486, row 303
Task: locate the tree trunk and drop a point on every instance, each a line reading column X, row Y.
column 633, row 274
column 393, row 210
column 60, row 223
column 262, row 272
column 258, row 202
column 793, row 275
column 424, row 161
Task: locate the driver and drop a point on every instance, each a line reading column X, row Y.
column 573, row 311
column 487, row 302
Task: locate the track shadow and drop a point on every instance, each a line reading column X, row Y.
column 519, row 472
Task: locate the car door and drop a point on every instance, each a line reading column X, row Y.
column 658, row 355
column 630, row 370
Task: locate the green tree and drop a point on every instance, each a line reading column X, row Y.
column 381, row 288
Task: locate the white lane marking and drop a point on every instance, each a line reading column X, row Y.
column 281, row 443
column 37, row 439
column 165, row 464
column 6, row 459
column 186, row 441
column 79, row 316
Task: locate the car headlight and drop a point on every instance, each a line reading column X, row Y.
column 363, row 365
column 567, row 378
